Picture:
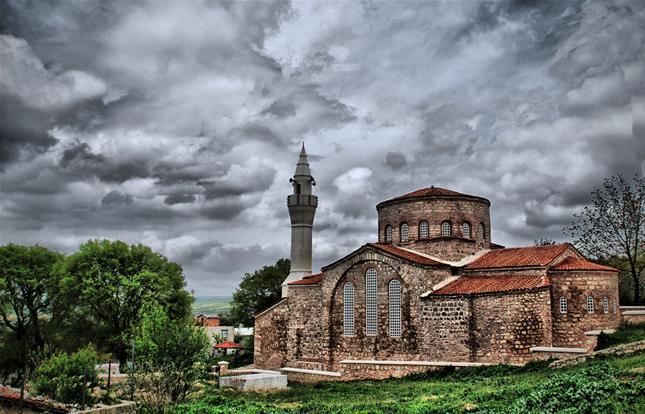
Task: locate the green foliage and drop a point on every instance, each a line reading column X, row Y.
column 28, row 297
column 543, row 242
column 170, row 356
column 614, row 225
column 61, row 377
column 258, row 291
column 110, row 282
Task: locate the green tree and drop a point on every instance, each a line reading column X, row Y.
column 614, row 225
column 170, row 356
column 28, row 293
column 258, row 291
column 544, row 242
column 111, row 281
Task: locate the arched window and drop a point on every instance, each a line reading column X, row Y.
column 481, row 231
column 589, row 304
column 348, row 309
column 395, row 308
column 564, row 307
column 423, row 229
column 465, row 230
column 371, row 305
column 605, row 304
column 388, row 233
column 405, row 232
column 446, row 229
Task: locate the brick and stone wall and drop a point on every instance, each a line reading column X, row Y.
column 305, row 328
column 445, row 328
column 270, row 336
column 569, row 328
column 435, row 211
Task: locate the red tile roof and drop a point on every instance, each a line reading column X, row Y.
column 535, row 256
column 574, row 263
column 470, row 285
column 432, row 192
column 308, row 280
column 226, row 345
column 405, row 254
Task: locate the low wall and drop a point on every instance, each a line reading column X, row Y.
column 623, row 349
column 633, row 317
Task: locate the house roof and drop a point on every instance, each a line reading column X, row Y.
column 574, row 263
column 226, row 345
column 471, row 285
column 308, row 280
column 431, row 192
column 406, row 254
column 534, row 256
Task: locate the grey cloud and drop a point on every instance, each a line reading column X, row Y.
column 116, row 198
column 395, row 160
column 179, row 199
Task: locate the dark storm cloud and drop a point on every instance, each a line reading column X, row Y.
column 178, row 124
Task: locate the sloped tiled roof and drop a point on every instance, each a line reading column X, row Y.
column 534, row 256
column 226, row 345
column 406, row 254
column 308, row 280
column 432, row 192
column 574, row 263
column 470, row 285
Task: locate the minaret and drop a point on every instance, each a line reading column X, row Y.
column 302, row 207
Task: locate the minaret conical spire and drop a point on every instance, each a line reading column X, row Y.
column 302, row 208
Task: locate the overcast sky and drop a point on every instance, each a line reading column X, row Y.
column 178, row 124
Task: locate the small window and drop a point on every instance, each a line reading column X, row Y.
column 564, row 307
column 465, row 230
column 224, row 333
column 589, row 304
column 423, row 230
column 405, row 232
column 605, row 304
column 348, row 309
column 371, row 303
column 395, row 308
column 446, row 229
column 481, row 232
column 388, row 233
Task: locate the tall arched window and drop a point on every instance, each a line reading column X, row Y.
column 564, row 307
column 371, row 305
column 388, row 233
column 590, row 304
column 465, row 230
column 481, row 231
column 405, row 232
column 446, row 228
column 348, row 309
column 605, row 304
column 395, row 308
column 423, row 229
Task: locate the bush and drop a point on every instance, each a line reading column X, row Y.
column 61, row 377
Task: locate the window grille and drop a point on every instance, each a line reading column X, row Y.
column 465, row 230
column 589, row 304
column 405, row 232
column 564, row 307
column 445, row 229
column 388, row 233
column 423, row 230
column 605, row 304
column 348, row 309
column 395, row 308
column 481, row 233
column 371, row 305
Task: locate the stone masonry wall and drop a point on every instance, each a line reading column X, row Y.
column 270, row 336
column 576, row 286
column 445, row 329
column 304, row 342
column 435, row 212
column 506, row 326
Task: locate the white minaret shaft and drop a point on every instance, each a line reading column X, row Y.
column 302, row 208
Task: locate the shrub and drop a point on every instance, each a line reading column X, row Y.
column 68, row 378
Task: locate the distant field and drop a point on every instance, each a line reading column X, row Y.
column 211, row 304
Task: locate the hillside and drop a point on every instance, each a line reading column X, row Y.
column 211, row 304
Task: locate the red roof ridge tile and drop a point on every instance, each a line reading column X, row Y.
column 431, row 191
column 308, row 280
column 406, row 254
column 574, row 263
column 227, row 344
column 513, row 257
column 471, row 285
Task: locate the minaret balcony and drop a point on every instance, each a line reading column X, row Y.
column 302, row 200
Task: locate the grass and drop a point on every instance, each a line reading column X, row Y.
column 628, row 334
column 606, row 385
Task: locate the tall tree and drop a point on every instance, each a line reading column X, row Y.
column 28, row 286
column 111, row 281
column 258, row 291
column 614, row 225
